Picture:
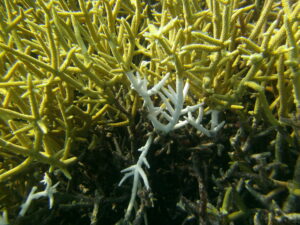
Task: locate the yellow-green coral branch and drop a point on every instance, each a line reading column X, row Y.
column 16, row 170
column 35, row 155
column 282, row 111
column 294, row 57
column 14, row 114
column 201, row 47
column 63, row 76
column 32, row 99
column 263, row 101
column 262, row 19
column 53, row 47
column 207, row 38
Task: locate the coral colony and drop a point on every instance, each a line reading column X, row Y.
column 97, row 79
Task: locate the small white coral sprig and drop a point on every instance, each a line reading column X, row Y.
column 137, row 171
column 48, row 192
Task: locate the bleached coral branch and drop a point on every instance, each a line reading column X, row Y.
column 215, row 125
column 48, row 192
column 137, row 171
column 172, row 102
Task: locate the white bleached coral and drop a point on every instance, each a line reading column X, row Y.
column 48, row 192
column 170, row 115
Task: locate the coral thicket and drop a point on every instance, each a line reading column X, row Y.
column 69, row 107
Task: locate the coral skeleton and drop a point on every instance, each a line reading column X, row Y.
column 48, row 192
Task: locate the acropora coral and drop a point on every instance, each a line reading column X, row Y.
column 67, row 70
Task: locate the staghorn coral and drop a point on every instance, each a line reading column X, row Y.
column 63, row 67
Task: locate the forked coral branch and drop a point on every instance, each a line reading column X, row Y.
column 48, row 192
column 137, row 171
column 215, row 125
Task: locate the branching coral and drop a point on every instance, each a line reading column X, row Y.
column 171, row 108
column 65, row 69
